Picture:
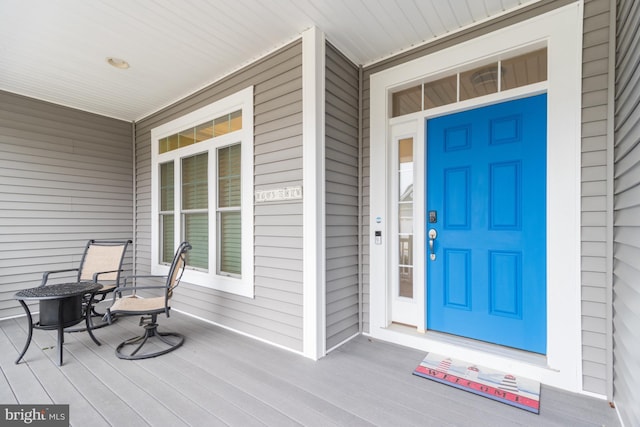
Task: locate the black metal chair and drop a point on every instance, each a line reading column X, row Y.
column 126, row 302
column 101, row 263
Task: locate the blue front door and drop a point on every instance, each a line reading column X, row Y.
column 486, row 203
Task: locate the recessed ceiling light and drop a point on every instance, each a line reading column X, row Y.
column 118, row 63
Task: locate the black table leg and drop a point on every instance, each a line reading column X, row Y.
column 88, row 320
column 60, row 329
column 60, row 343
column 30, row 334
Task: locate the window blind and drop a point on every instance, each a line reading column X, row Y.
column 195, row 192
column 229, row 224
column 166, row 211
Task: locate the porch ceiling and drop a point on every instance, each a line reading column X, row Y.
column 57, row 50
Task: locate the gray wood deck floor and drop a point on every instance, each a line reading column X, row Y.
column 222, row 378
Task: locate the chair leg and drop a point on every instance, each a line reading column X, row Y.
column 150, row 331
column 133, row 341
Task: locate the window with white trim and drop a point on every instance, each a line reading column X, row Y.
column 202, row 192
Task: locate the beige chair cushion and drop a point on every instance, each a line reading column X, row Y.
column 133, row 303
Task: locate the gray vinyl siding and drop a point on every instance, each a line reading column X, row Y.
column 65, row 177
column 596, row 173
column 275, row 314
column 520, row 15
column 341, row 198
column 626, row 281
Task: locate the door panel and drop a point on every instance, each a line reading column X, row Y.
column 486, row 181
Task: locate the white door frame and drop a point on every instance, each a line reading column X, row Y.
column 561, row 31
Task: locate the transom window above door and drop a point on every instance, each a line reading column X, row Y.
column 473, row 81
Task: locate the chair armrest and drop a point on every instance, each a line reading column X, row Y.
column 142, row 276
column 117, row 292
column 96, row 274
column 122, row 288
column 135, row 287
column 45, row 275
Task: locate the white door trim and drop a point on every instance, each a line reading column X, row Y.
column 561, row 30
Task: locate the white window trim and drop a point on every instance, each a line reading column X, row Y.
column 241, row 100
column 561, row 29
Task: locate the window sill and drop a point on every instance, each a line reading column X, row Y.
column 226, row 284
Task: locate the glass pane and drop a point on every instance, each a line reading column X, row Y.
column 405, row 270
column 220, row 126
column 406, row 218
column 173, row 142
column 479, row 81
column 230, row 243
column 228, row 123
column 405, row 152
column 440, row 92
column 166, row 187
column 195, row 188
column 236, row 121
column 186, row 137
column 204, row 131
column 524, row 69
column 406, row 186
column 407, row 101
column 196, row 232
column 166, row 233
column 229, row 192
column 405, row 168
column 162, row 145
column 406, row 250
column 229, row 182
column 235, row 160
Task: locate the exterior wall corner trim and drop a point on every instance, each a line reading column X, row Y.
column 313, row 86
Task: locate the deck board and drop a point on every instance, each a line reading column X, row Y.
column 221, row 378
column 256, row 379
column 142, row 387
column 192, row 366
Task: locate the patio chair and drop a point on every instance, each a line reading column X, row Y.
column 101, row 263
column 127, row 302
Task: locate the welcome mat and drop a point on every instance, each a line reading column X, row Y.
column 520, row 392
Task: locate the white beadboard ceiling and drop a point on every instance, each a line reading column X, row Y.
column 56, row 50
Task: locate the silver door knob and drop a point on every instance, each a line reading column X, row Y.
column 432, row 237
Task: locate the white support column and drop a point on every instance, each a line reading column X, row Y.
column 313, row 133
